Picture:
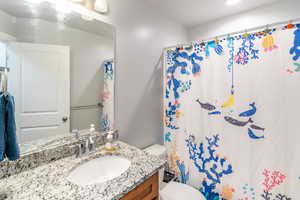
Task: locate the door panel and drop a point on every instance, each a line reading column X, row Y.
column 41, row 86
column 40, row 82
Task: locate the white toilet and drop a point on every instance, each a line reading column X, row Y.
column 179, row 191
column 172, row 190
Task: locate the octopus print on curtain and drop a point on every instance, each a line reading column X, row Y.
column 231, row 115
column 107, row 97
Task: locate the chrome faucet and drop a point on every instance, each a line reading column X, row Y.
column 80, row 150
column 85, row 147
column 87, row 144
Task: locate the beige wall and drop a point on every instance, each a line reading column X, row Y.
column 142, row 33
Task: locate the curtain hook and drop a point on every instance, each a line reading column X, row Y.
column 202, row 43
column 267, row 30
column 245, row 35
column 216, row 39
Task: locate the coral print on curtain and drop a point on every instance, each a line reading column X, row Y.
column 231, row 115
column 107, row 97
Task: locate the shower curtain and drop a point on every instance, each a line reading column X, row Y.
column 107, row 97
column 232, row 115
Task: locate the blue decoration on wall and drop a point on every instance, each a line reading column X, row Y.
column 213, row 45
column 246, row 51
column 208, row 163
column 215, row 113
column 184, row 176
column 219, row 49
column 105, row 124
column 230, row 45
column 168, row 137
column 298, row 67
column 209, row 45
column 212, row 110
column 170, row 115
column 253, row 136
column 236, row 122
column 178, row 61
column 108, row 70
column 206, row 106
column 257, row 127
column 193, row 58
column 296, row 48
column 250, row 112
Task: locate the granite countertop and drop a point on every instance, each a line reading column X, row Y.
column 49, row 181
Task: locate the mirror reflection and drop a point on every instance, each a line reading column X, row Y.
column 59, row 67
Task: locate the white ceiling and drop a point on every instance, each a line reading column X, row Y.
column 23, row 9
column 195, row 12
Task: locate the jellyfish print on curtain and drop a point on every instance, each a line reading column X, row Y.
column 107, row 97
column 231, row 115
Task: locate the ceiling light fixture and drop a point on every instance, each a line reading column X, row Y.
column 231, row 2
column 60, row 7
column 35, row 1
column 67, row 6
column 77, row 1
column 101, row 6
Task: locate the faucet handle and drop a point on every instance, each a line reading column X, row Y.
column 92, row 128
column 80, row 150
column 91, row 140
column 92, row 144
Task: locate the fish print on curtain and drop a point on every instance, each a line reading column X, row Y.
column 231, row 115
column 107, row 97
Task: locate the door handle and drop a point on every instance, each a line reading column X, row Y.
column 65, row 119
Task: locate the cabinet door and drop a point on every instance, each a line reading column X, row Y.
column 146, row 191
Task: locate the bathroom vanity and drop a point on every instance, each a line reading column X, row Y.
column 50, row 181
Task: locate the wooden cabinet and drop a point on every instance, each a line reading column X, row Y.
column 146, row 191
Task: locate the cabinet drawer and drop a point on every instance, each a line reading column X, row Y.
column 145, row 191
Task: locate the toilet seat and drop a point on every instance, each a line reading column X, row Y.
column 179, row 191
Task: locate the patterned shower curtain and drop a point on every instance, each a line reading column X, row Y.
column 231, row 115
column 107, row 97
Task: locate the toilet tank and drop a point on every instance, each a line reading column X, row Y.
column 157, row 150
column 161, row 152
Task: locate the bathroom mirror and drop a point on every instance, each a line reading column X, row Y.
column 60, row 69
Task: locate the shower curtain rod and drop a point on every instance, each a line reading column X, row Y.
column 235, row 33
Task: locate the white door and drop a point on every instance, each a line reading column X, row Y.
column 39, row 79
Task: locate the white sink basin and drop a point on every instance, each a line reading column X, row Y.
column 99, row 170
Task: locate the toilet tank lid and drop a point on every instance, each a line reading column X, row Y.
column 156, row 149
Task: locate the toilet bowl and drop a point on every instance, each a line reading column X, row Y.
column 172, row 190
column 179, row 191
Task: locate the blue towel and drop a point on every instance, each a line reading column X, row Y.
column 12, row 151
column 2, row 127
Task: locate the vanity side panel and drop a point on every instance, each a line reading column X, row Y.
column 145, row 191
